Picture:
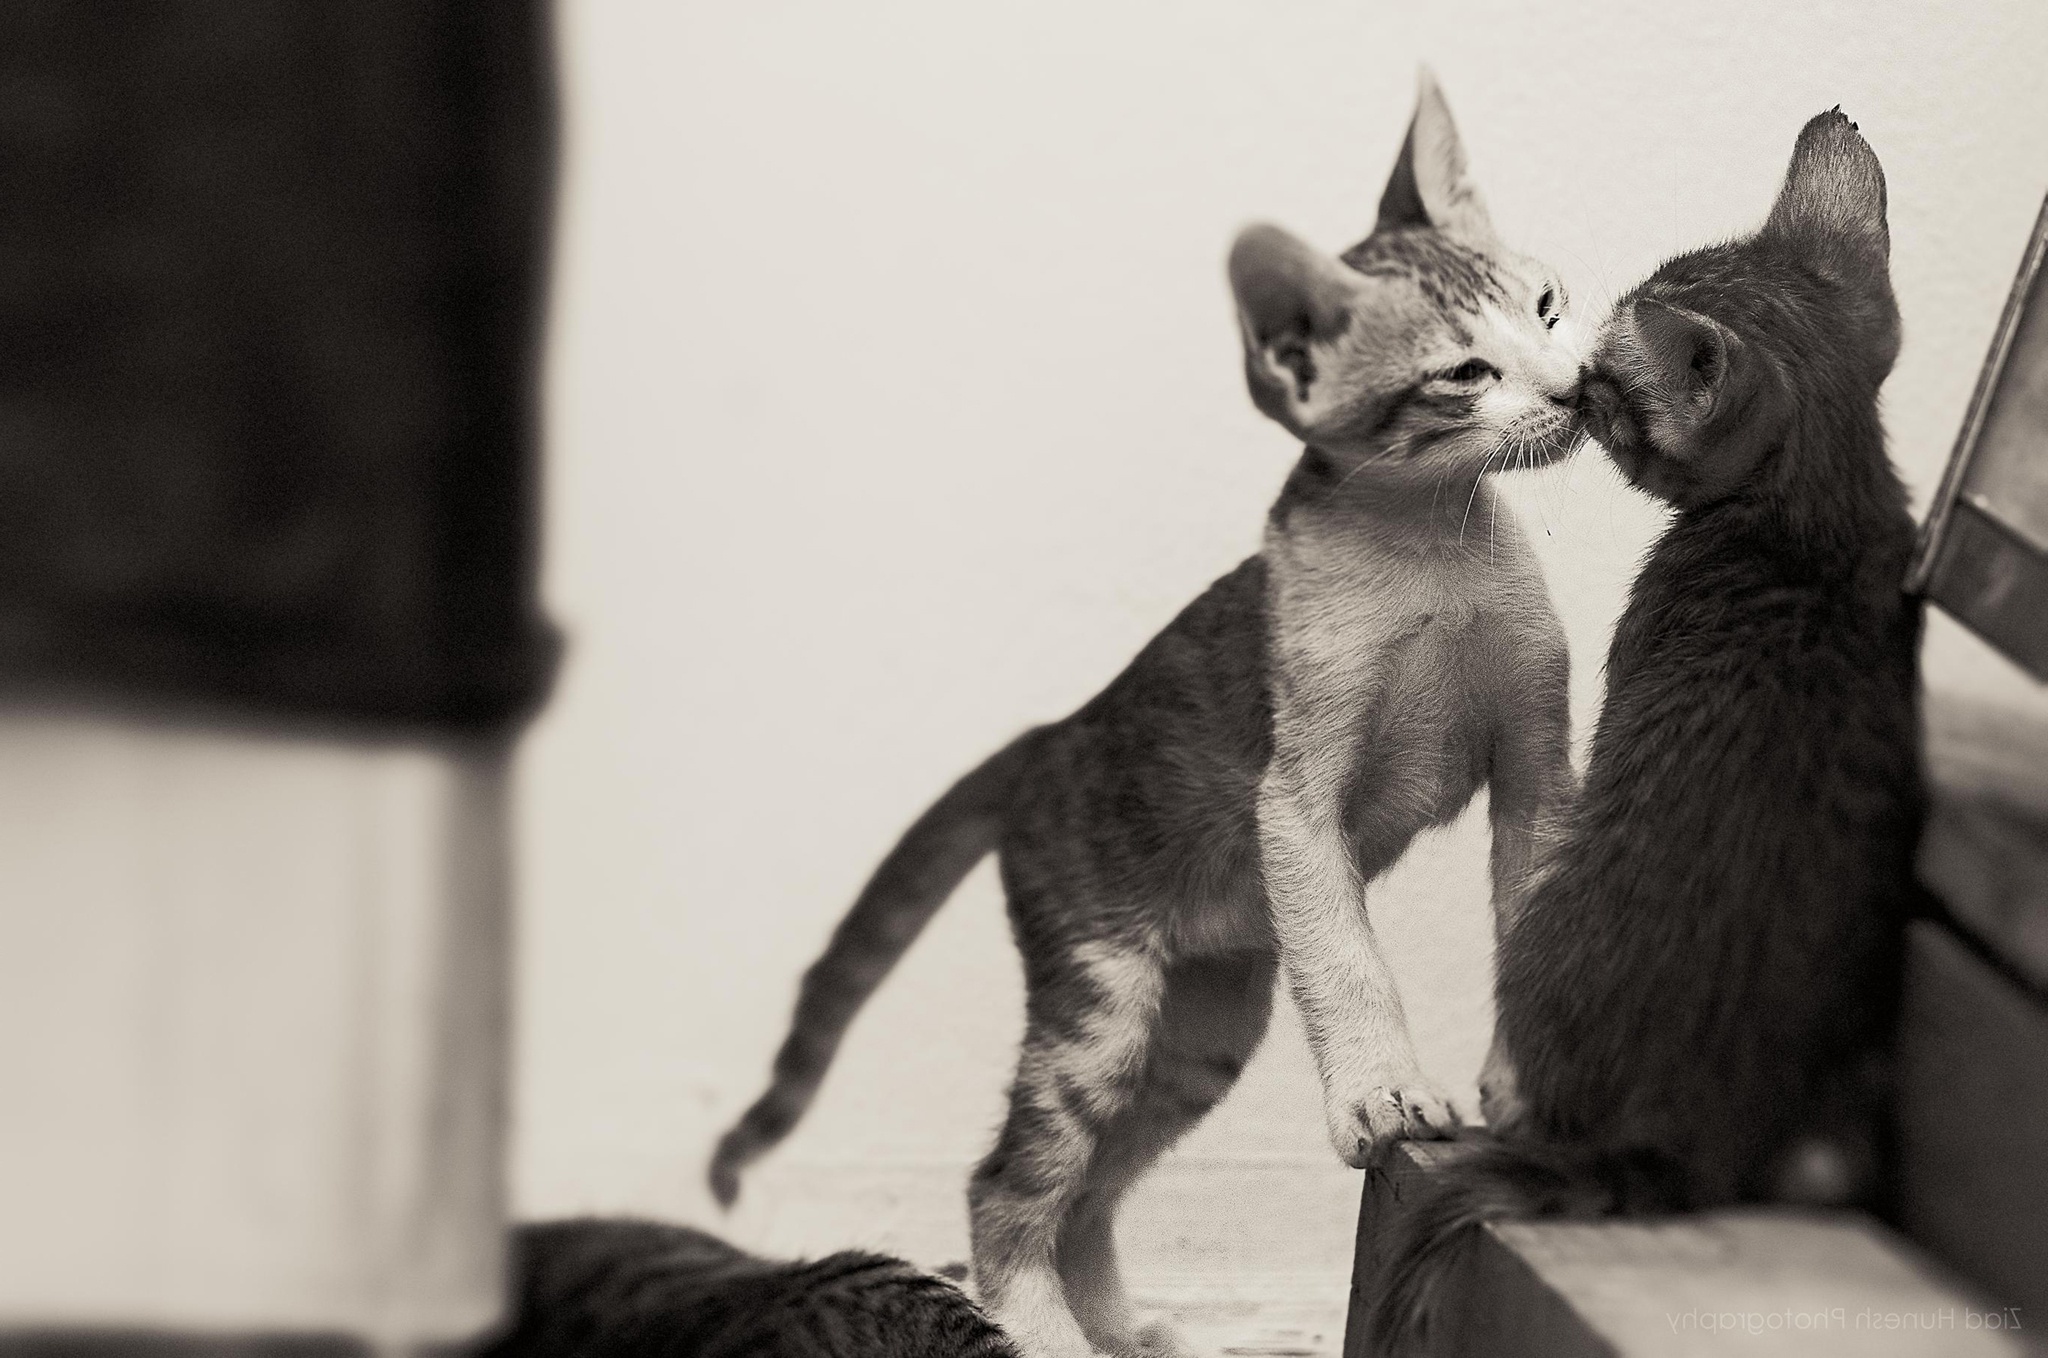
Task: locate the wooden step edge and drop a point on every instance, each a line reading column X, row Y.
column 1988, row 865
column 1971, row 1118
column 1752, row 1281
column 1985, row 850
column 1978, row 749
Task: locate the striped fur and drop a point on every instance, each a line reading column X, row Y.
column 1209, row 822
column 594, row 1288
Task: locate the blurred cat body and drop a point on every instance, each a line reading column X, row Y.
column 1217, row 812
column 619, row 1288
column 1695, row 1002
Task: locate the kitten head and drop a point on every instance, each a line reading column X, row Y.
column 1701, row 372
column 1427, row 348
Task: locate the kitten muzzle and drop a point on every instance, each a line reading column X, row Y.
column 1602, row 412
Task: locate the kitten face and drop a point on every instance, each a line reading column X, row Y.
column 1427, row 349
column 1697, row 375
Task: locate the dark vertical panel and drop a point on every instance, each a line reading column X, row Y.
column 271, row 276
column 1983, row 551
column 1972, row 1114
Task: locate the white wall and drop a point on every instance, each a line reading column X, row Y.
column 895, row 403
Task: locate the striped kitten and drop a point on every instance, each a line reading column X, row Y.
column 1218, row 810
column 639, row 1289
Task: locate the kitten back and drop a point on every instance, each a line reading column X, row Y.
column 624, row 1288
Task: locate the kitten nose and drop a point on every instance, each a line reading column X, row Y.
column 1597, row 396
column 1599, row 411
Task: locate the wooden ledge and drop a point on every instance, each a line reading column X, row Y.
column 1971, row 1116
column 1754, row 1282
column 1985, row 852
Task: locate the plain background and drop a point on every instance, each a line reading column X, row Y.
column 894, row 402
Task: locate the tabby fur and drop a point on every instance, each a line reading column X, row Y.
column 1215, row 815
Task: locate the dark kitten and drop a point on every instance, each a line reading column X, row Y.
column 1694, row 1000
column 640, row 1289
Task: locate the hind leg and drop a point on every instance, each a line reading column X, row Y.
column 1090, row 1021
column 1211, row 1017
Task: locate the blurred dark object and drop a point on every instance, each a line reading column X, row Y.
column 161, row 1344
column 1984, row 552
column 271, row 284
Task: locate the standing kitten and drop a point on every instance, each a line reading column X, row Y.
column 639, row 1289
column 1221, row 806
column 1694, row 999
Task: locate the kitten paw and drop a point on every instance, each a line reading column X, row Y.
column 1407, row 1110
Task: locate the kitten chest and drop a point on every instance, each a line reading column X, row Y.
column 1378, row 666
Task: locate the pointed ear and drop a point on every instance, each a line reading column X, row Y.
column 1686, row 353
column 1293, row 304
column 1834, row 188
column 1430, row 186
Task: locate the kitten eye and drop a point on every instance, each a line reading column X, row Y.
column 1549, row 308
column 1472, row 370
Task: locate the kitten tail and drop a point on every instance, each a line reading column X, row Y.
column 892, row 909
column 1432, row 1235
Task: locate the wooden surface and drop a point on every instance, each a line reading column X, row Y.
column 1978, row 749
column 1973, row 1119
column 1519, row 1314
column 1753, row 1281
column 1990, row 868
column 1985, row 852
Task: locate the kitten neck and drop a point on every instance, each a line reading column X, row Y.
column 1459, row 514
column 1830, row 492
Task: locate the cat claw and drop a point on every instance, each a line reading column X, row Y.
column 1409, row 1111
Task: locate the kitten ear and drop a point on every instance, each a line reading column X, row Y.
column 1834, row 187
column 1293, row 303
column 1686, row 353
column 1430, row 185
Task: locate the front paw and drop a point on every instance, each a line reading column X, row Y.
column 1363, row 1125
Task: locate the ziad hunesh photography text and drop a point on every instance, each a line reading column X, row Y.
column 1841, row 1318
